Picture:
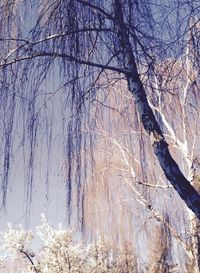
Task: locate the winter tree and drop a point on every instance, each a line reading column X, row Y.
column 86, row 39
column 118, row 68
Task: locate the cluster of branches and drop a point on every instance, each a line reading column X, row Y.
column 80, row 41
column 86, row 47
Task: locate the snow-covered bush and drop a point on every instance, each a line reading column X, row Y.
column 59, row 253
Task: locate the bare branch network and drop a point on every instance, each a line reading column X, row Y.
column 121, row 81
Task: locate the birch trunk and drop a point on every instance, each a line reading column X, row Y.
column 171, row 169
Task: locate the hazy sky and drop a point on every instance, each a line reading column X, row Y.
column 53, row 205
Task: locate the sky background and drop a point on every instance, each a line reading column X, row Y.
column 49, row 178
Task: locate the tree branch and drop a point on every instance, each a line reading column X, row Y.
column 57, row 35
column 69, row 58
column 29, row 258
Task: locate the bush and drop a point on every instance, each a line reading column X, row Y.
column 59, row 253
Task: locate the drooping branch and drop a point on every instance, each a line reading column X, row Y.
column 171, row 169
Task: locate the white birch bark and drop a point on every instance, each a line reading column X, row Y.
column 160, row 146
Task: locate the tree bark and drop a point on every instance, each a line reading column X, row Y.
column 171, row 169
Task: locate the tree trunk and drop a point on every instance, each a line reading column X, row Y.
column 171, row 169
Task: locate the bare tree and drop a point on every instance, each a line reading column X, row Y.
column 84, row 50
column 83, row 40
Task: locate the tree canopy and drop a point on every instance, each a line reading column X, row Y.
column 80, row 41
column 124, row 77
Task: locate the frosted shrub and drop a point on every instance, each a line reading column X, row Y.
column 59, row 253
column 16, row 240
